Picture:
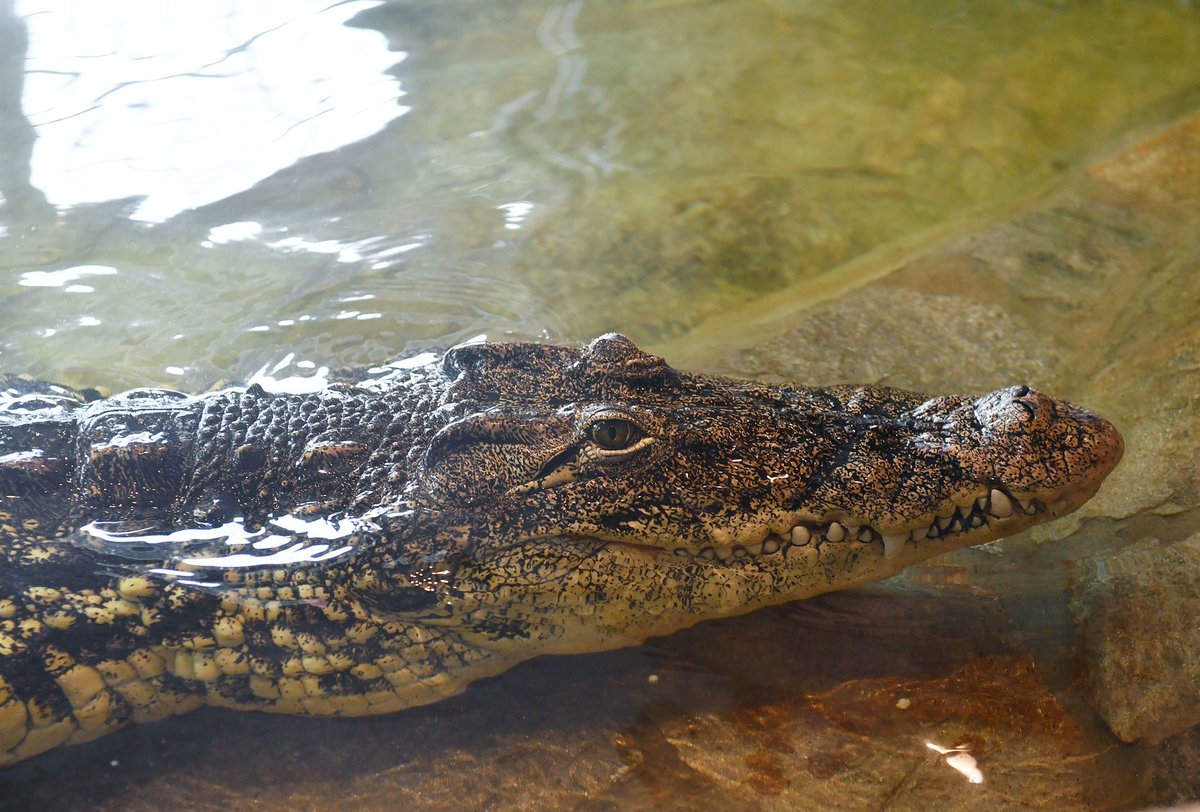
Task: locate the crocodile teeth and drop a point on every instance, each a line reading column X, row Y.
column 893, row 543
column 996, row 504
column 999, row 505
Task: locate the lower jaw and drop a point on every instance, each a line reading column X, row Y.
column 977, row 527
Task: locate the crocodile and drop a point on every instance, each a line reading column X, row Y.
column 395, row 536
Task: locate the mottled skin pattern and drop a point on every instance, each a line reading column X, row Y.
column 435, row 523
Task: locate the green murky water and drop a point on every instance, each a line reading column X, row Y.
column 936, row 195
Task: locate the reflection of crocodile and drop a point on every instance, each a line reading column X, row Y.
column 382, row 544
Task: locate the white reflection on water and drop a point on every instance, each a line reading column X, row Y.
column 188, row 103
column 960, row 759
column 60, row 278
column 515, row 213
column 99, row 530
column 269, row 377
column 232, row 232
column 343, row 251
column 297, row 553
column 303, row 541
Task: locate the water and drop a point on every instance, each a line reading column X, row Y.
column 226, row 192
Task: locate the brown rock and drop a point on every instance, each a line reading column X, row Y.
column 1141, row 642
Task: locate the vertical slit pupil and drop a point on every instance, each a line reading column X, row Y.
column 611, row 434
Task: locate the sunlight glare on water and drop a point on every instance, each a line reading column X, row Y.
column 183, row 104
column 285, row 540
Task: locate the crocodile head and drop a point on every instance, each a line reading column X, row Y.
column 600, row 496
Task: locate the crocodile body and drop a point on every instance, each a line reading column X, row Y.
column 384, row 542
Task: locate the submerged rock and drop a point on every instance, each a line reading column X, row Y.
column 1176, row 772
column 1141, row 643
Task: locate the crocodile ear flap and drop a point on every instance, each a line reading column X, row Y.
column 481, row 455
column 491, row 427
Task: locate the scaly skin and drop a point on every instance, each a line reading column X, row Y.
column 383, row 544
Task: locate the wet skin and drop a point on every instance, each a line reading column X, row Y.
column 389, row 540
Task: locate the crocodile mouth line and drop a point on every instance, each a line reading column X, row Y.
column 997, row 506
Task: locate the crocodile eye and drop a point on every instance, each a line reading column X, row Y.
column 611, row 434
